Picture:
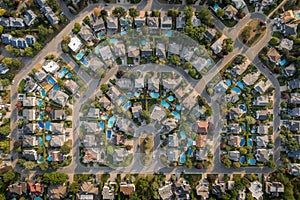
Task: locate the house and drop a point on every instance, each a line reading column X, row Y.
column 256, row 190
column 57, row 128
column 139, row 22
column 125, row 83
column 29, row 17
column 262, row 155
column 201, row 141
column 294, row 169
column 75, row 44
column 90, row 189
column 119, row 155
column 125, row 125
column 171, row 83
column 35, row 189
column 218, row 189
column 180, row 22
column 29, row 101
column 173, row 154
column 195, row 21
column 210, row 33
column 52, row 18
column 58, row 97
column 57, row 140
column 174, row 49
column 105, row 53
column 290, row 29
column 295, row 112
column 218, row 45
column 136, row 110
column 234, row 113
column 202, row 189
column 234, row 141
column 97, row 24
column 230, row 11
column 127, row 188
column 234, row 128
column 29, row 114
column 187, row 53
column 71, row 86
column 221, row 87
column 153, row 22
column 293, row 125
column 239, row 3
column 286, row 44
column 119, row 49
column 29, row 128
column 105, row 103
column 89, row 140
column 112, row 25
column 56, row 192
column 107, row 192
column 242, row 194
column 166, row 23
column 91, row 127
column 160, row 50
column 58, row 115
column 153, row 84
column 30, row 154
column 262, row 129
column 182, row 189
column 29, row 141
column 202, row 154
column 57, row 156
column 202, row 127
column 287, row 16
column 146, row 50
column 86, row 33
column 158, row 113
column 4, row 22
column 50, row 66
column 234, row 155
column 263, row 114
column 94, row 113
column 91, row 155
column 263, row 100
column 18, row 189
column 173, row 140
column 251, row 78
column 274, row 188
column 165, row 192
column 40, row 75
column 16, row 22
column 114, row 94
column 133, row 51
column 261, row 87
column 126, row 23
column 3, row 69
column 294, row 84
column 262, row 141
column 273, row 55
column 290, row 70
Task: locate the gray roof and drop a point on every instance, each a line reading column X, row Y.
column 234, row 155
column 29, row 17
column 262, row 155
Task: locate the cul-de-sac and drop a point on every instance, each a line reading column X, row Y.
column 149, row 99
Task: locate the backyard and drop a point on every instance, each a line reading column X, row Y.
column 252, row 33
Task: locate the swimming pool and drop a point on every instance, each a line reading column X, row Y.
column 123, row 32
column 48, row 125
column 101, row 36
column 38, row 198
column 240, row 84
column 176, row 114
column 242, row 142
column 43, row 92
column 190, row 152
column 236, row 90
column 165, row 104
column 113, row 40
column 183, row 158
column 228, row 82
column 40, row 141
column 104, row 117
column 84, row 62
column 69, row 75
column 243, row 108
column 190, row 142
column 136, row 94
column 127, row 105
column 170, row 98
column 129, row 94
column 250, row 143
column 97, row 50
column 41, row 159
column 42, row 116
column 56, row 87
column 40, row 103
column 154, row 95
column 111, row 122
column 282, row 62
column 62, row 73
column 101, row 124
column 169, row 33
column 182, row 135
column 41, row 124
column 143, row 42
column 208, row 63
column 122, row 99
column 242, row 159
column 252, row 131
column 216, row 7
column 51, row 80
column 79, row 55
column 251, row 161
column 48, row 137
column 50, row 158
column 108, row 134
column 244, row 126
column 178, row 107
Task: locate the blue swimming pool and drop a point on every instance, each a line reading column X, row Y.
column 143, row 42
column 84, row 62
column 244, row 126
column 176, row 114
column 127, row 105
column 48, row 125
column 182, row 135
column 190, row 142
column 51, row 80
column 104, row 117
column 41, row 124
column 101, row 36
column 101, row 124
column 43, row 92
column 178, row 107
column 79, row 55
column 165, row 104
column 208, row 63
column 38, row 198
column 242, row 159
column 252, row 131
column 250, row 143
column 169, row 33
column 236, row 90
column 97, row 51
column 216, row 7
column 108, row 134
column 62, row 73
column 282, row 62
column 170, row 98
column 182, row 158
column 190, row 152
column 228, row 82
column 40, row 141
column 42, row 116
column 49, row 158
column 243, row 108
column 56, row 87
column 154, row 95
column 48, row 137
column 129, row 94
column 41, row 159
column 69, row 75
column 113, row 40
column 123, row 32
column 240, row 84
column 251, row 161
column 136, row 94
column 40, row 103
column 111, row 122
column 122, row 99
column 298, row 14
column 242, row 142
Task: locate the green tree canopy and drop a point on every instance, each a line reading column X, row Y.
column 119, row 12
column 133, row 12
column 205, row 16
column 55, row 178
column 77, row 28
column 188, row 12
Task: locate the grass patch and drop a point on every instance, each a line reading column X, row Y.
column 252, row 33
column 229, row 22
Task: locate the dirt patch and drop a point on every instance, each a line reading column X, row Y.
column 252, row 32
column 146, row 149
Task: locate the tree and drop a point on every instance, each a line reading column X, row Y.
column 220, row 12
column 55, row 178
column 173, row 13
column 28, row 51
column 97, row 12
column 77, row 28
column 243, row 150
column 5, row 130
column 44, row 166
column 236, row 165
column 226, row 162
column 104, row 88
column 43, row 32
column 29, row 165
column 74, row 188
column 175, row 60
column 2, row 197
column 188, row 12
column 246, row 33
column 37, row 46
column 155, row 13
column 205, row 16
column 1, row 29
column 274, row 41
column 187, row 65
column 119, row 12
column 65, row 149
column 9, row 177
column 2, row 12
column 133, row 12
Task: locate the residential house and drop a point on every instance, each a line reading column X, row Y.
column 251, row 78
column 240, row 69
column 187, row 53
column 202, row 127
column 57, row 156
column 30, row 154
column 230, row 11
column 126, row 23
column 29, row 128
column 22, row 43
column 153, row 22
column 153, row 84
column 242, row 194
column 293, row 125
column 273, row 55
column 234, row 141
column 294, row 169
column 263, row 114
column 218, row 189
column 171, row 83
column 91, row 155
column 232, row 97
column 146, row 50
column 294, row 84
column 119, row 155
column 56, row 192
column 170, row 123
column 234, row 128
column 261, row 87
column 263, row 100
column 89, row 140
column 202, row 189
column 127, row 188
column 58, row 97
column 125, row 125
column 210, row 33
column 97, row 24
column 58, row 115
column 160, row 50
column 133, row 51
column 290, row 29
column 174, row 49
column 105, row 53
column 75, row 44
column 50, row 15
column 29, row 141
column 114, row 94
column 29, row 101
column 173, row 140
column 93, row 113
column 173, row 154
column 182, row 189
column 16, row 22
column 274, row 188
column 119, row 49
column 4, row 22
column 86, row 33
column 262, row 141
column 286, row 44
column 201, row 141
column 91, row 127
column 29, row 17
column 35, row 189
column 239, row 4
column 136, row 110
column 262, row 129
column 256, row 190
column 221, row 87
column 202, row 154
column 107, row 192
column 158, row 113
column 290, row 70
column 180, row 22
column 17, row 189
column 3, row 69
column 40, row 75
column 88, row 190
column 165, row 192
column 287, row 16
column 234, row 155
column 218, row 45
column 29, row 114
column 195, row 21
column 71, row 86
column 295, row 112
column 234, row 113
column 105, row 103
column 57, row 140
column 57, row 128
column 112, row 25
column 166, row 23
column 30, row 85
column 262, row 155
column 50, row 66
column 139, row 22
